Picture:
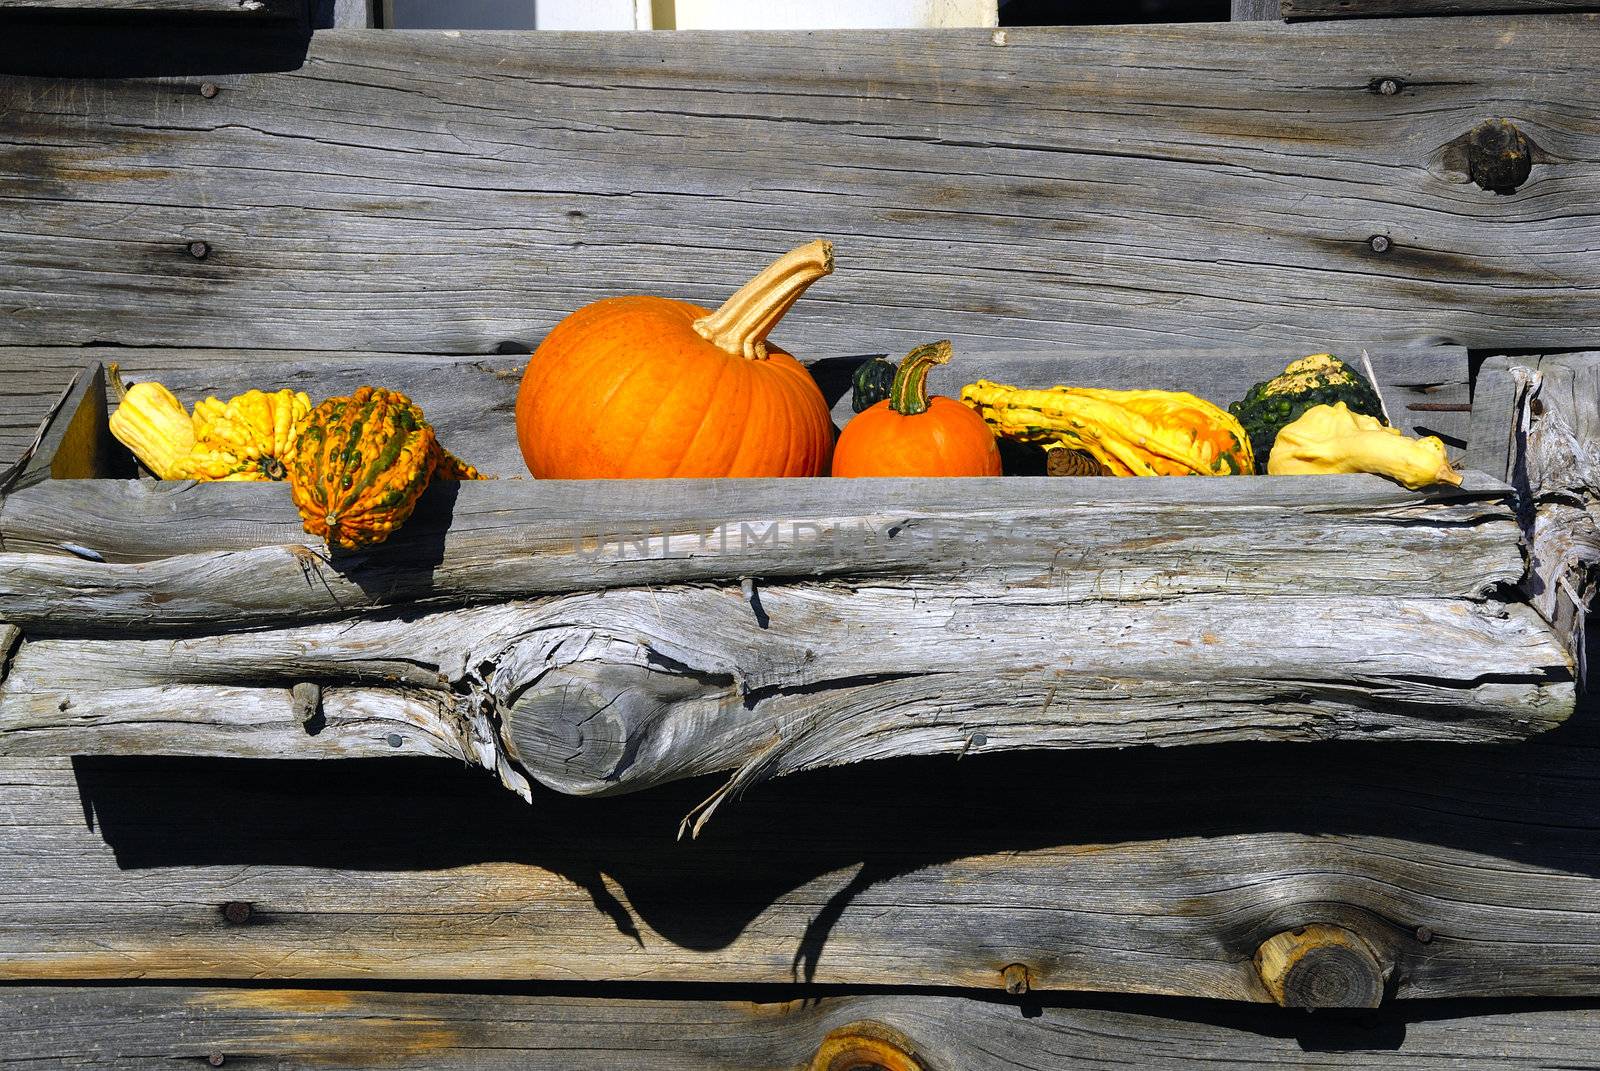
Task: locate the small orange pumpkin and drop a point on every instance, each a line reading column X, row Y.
column 910, row 434
column 640, row 386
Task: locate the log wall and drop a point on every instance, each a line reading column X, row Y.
column 1264, row 188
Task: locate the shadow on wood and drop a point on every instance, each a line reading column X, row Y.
column 59, row 44
column 1246, row 840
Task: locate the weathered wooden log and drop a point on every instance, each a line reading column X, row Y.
column 240, row 559
column 152, row 1028
column 499, row 181
column 618, row 691
column 1333, row 9
column 1255, row 11
column 1146, row 870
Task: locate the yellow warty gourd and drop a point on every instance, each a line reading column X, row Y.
column 247, row 437
column 1332, row 439
column 1129, row 432
column 150, row 421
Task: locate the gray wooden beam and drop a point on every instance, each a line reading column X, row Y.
column 149, row 1028
column 1155, row 871
column 1256, row 11
column 501, row 180
column 1360, row 9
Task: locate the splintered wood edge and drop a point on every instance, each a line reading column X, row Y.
column 1536, row 422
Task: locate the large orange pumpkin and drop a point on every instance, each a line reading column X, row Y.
column 910, row 434
column 644, row 386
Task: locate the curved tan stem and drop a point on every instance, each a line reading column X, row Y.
column 118, row 388
column 740, row 326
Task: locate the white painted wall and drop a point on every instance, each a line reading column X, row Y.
column 590, row 15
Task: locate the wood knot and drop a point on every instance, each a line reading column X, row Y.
column 1495, row 154
column 1321, row 966
column 867, row 1045
column 238, row 912
column 1499, row 156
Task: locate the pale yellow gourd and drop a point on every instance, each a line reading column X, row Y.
column 150, row 421
column 1332, row 439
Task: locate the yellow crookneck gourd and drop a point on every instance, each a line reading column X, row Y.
column 248, row 437
column 1332, row 439
column 1129, row 432
column 150, row 421
column 245, row 438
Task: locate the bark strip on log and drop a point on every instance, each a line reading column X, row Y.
column 145, row 1028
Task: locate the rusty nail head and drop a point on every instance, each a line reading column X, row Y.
column 979, row 739
column 237, row 912
column 199, row 250
column 395, row 740
column 1536, row 407
column 1016, row 979
column 208, row 89
column 1380, row 243
column 1424, row 934
column 216, row 1059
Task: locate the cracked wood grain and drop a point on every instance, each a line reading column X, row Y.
column 425, row 192
column 241, row 559
column 610, row 692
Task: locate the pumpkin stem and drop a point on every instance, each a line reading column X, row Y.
column 740, row 327
column 908, row 395
column 118, row 388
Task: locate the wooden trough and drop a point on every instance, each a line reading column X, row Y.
column 823, row 774
column 609, row 636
